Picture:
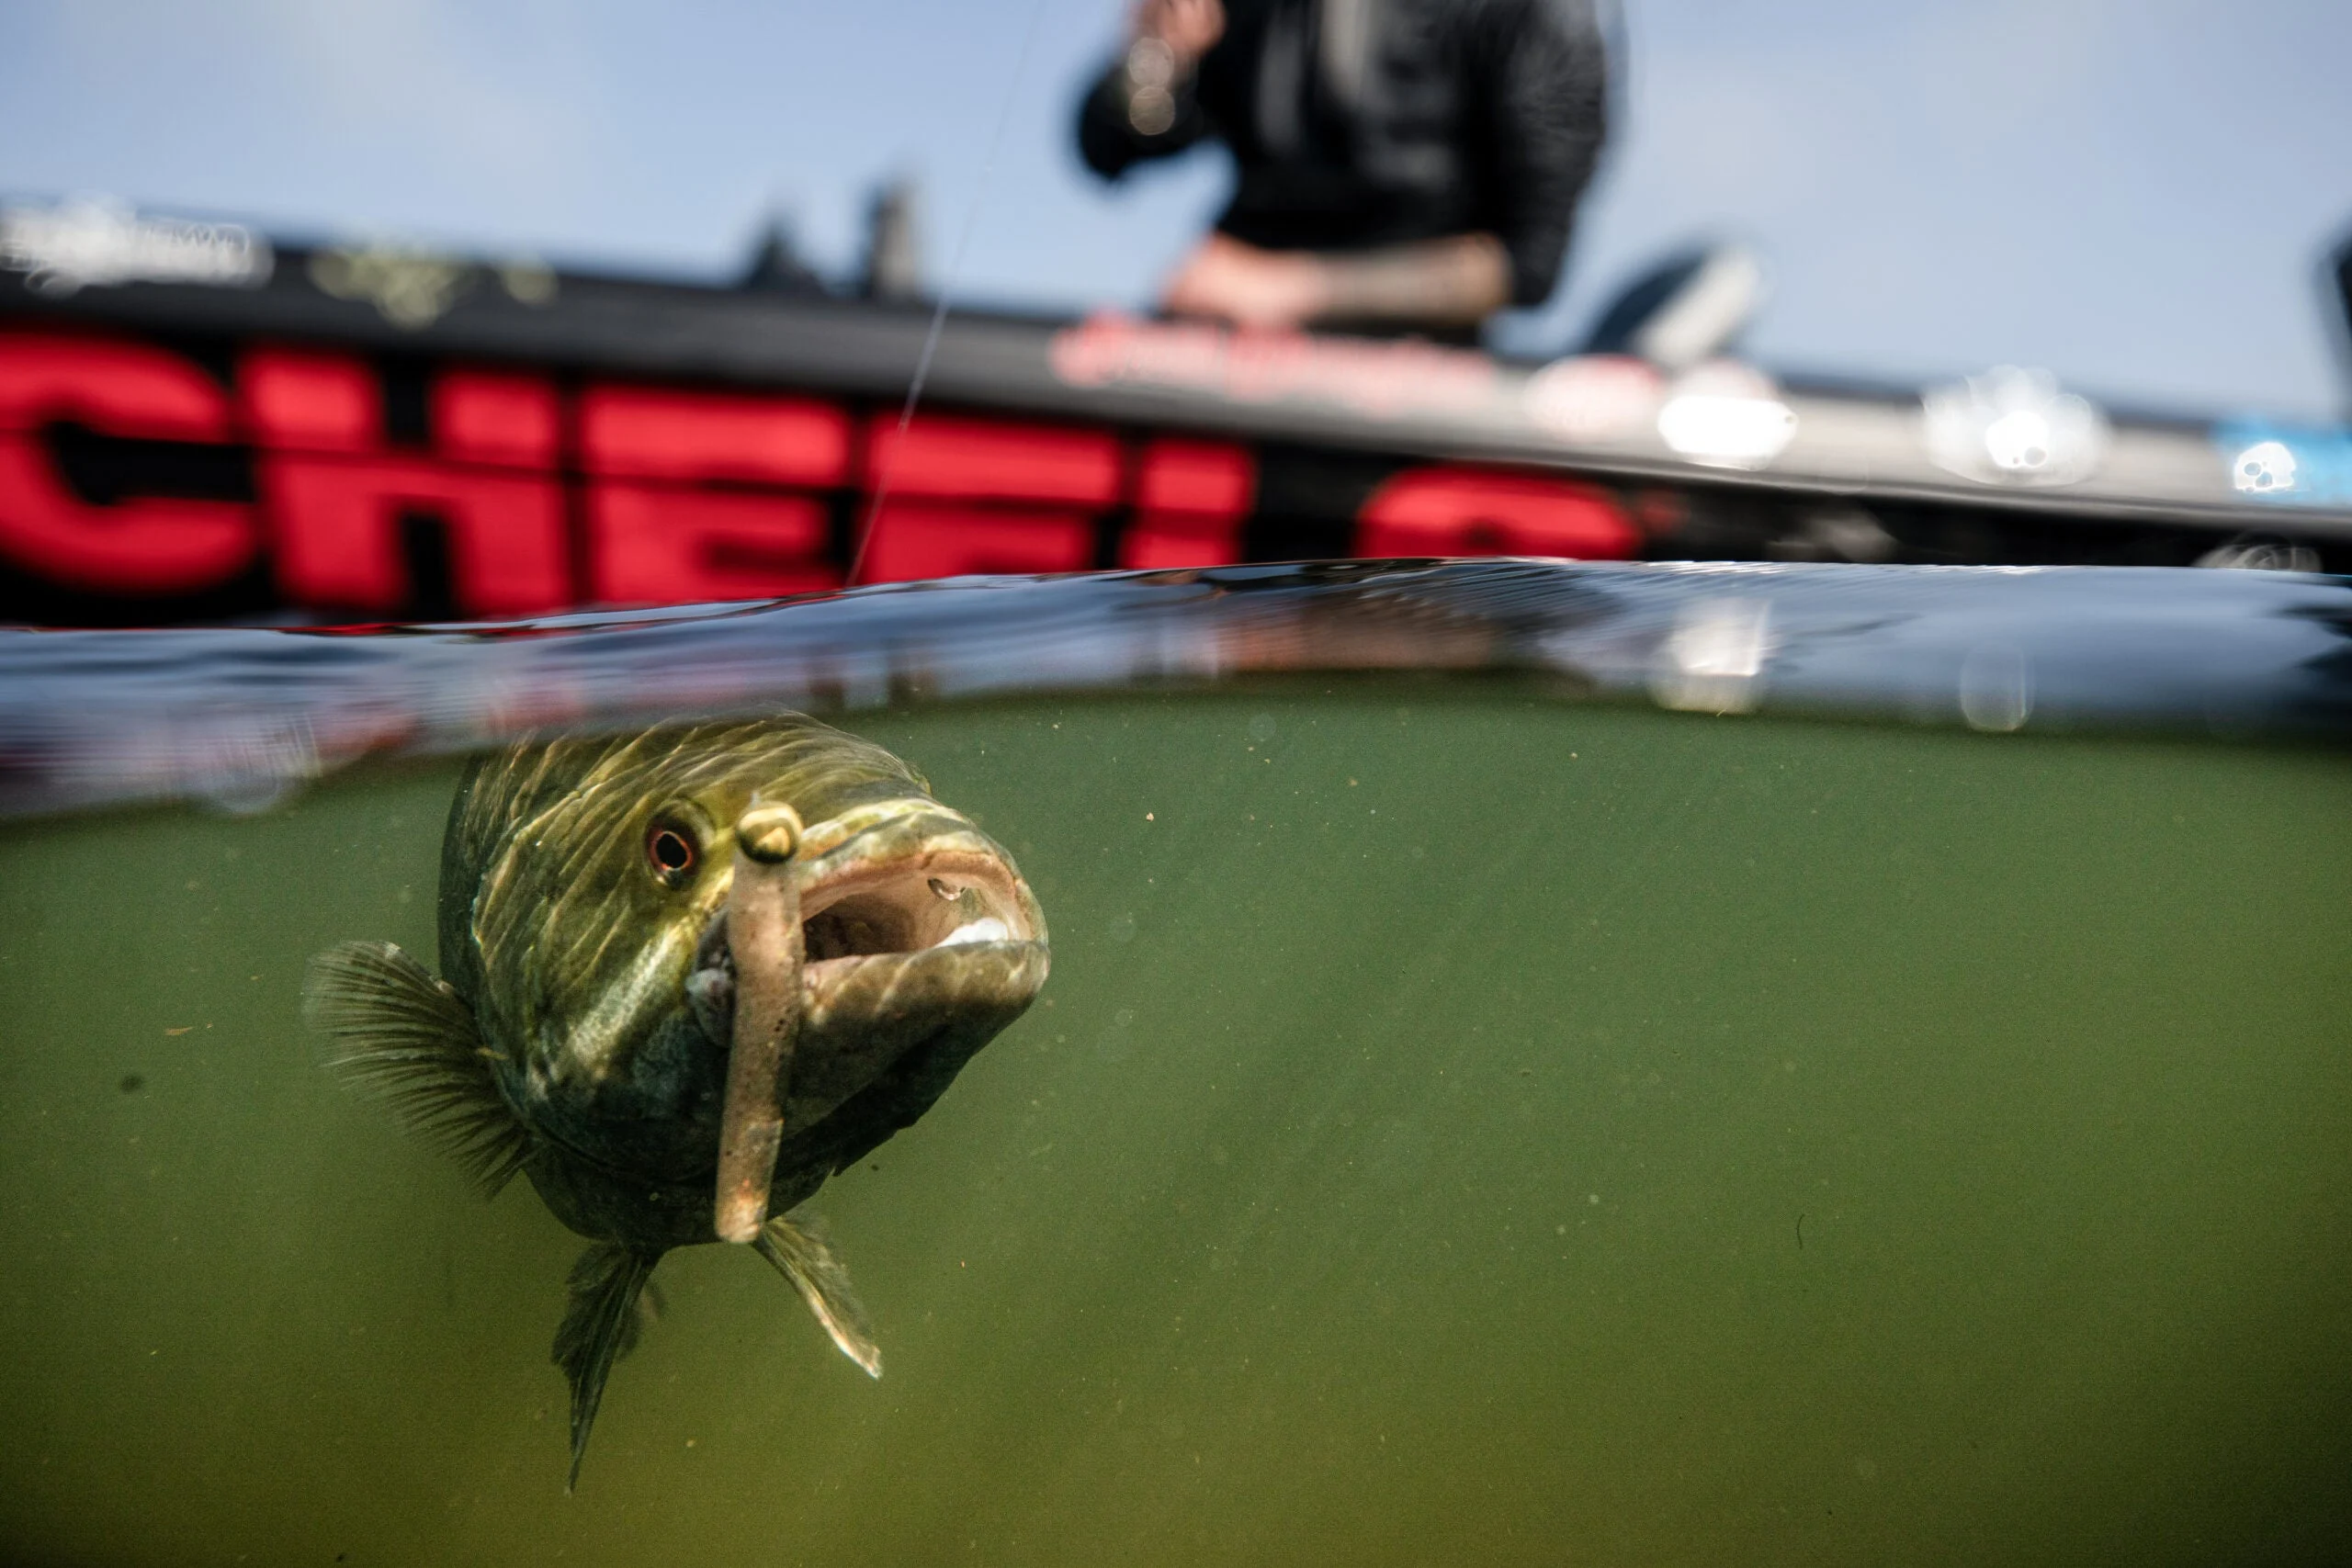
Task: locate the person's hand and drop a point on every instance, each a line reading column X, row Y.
column 1189, row 27
column 1229, row 281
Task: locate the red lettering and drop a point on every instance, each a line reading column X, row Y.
column 310, row 403
column 1197, row 478
column 984, row 460
column 335, row 522
column 333, row 493
column 1191, row 498
column 668, row 545
column 976, row 460
column 150, row 546
column 1473, row 511
column 654, row 434
column 121, row 388
column 481, row 416
column 915, row 539
column 659, row 538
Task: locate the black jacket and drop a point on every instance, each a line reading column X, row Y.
column 1358, row 123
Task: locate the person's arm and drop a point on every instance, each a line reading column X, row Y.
column 1456, row 281
column 1144, row 106
column 1546, row 78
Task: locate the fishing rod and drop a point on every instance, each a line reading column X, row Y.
column 946, row 291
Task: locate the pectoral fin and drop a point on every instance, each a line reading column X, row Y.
column 599, row 1328
column 801, row 1255
column 408, row 1039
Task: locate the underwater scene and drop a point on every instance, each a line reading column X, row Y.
column 1459, row 1123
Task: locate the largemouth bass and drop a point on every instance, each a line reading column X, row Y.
column 685, row 977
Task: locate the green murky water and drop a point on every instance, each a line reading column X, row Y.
column 1457, row 1129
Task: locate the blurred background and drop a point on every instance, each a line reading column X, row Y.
column 2134, row 195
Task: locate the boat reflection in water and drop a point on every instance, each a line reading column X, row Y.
column 1644, row 1064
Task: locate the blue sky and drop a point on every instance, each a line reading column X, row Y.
column 2133, row 193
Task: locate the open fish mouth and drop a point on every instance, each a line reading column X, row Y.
column 905, row 887
column 846, row 956
column 886, row 891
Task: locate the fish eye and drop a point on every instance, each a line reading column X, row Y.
column 671, row 853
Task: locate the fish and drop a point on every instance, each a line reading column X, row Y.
column 686, row 976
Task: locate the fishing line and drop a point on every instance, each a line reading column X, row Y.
column 946, row 289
